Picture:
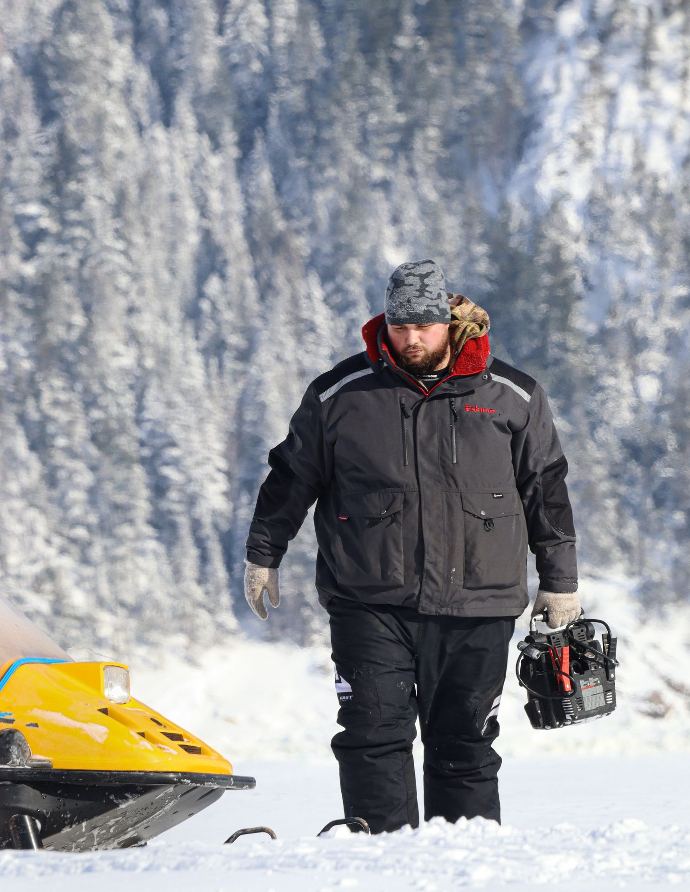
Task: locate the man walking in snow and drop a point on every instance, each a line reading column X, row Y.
column 433, row 466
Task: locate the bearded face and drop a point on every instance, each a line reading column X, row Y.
column 420, row 349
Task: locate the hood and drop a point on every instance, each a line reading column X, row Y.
column 470, row 360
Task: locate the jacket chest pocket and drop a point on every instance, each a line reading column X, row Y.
column 369, row 540
column 495, row 539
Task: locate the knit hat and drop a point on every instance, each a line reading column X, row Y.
column 416, row 294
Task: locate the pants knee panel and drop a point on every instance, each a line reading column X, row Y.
column 454, row 757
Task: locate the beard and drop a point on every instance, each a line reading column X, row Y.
column 426, row 362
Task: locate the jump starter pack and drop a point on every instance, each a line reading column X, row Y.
column 569, row 673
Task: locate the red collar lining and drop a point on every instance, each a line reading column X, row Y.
column 471, row 359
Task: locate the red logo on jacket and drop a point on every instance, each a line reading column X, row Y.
column 477, row 408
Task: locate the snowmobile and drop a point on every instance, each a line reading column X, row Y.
column 83, row 765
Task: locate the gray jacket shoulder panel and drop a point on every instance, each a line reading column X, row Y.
column 520, row 382
column 349, row 369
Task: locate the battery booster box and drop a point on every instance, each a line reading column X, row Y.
column 569, row 674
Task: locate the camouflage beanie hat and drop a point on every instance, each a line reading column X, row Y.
column 416, row 295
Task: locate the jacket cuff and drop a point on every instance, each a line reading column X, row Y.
column 263, row 560
column 557, row 586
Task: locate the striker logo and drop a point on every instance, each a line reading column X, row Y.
column 477, row 408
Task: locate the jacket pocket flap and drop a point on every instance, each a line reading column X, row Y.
column 370, row 504
column 491, row 504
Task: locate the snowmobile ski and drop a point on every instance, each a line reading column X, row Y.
column 246, row 831
column 358, row 825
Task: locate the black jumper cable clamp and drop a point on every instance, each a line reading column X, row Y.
column 569, row 673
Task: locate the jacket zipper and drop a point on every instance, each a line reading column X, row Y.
column 453, row 421
column 404, row 414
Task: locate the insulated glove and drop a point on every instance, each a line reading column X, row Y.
column 561, row 607
column 258, row 580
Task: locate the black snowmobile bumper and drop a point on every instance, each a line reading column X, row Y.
column 80, row 811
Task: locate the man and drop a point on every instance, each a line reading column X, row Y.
column 433, row 465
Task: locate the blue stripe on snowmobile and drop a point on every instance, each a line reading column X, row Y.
column 17, row 663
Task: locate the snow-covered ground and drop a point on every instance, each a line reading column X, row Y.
column 575, row 822
column 605, row 804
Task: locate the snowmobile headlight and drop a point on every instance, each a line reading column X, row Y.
column 116, row 684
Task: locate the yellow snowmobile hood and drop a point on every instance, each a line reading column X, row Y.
column 62, row 710
column 83, row 765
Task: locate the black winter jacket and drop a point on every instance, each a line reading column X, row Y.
column 424, row 499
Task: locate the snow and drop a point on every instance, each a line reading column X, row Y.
column 570, row 821
column 599, row 805
column 649, row 387
column 95, row 732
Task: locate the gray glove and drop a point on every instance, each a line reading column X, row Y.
column 561, row 607
column 258, row 580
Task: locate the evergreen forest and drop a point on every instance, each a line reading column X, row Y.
column 200, row 205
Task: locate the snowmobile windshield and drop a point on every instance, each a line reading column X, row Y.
column 20, row 638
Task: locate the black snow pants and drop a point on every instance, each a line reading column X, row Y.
column 392, row 665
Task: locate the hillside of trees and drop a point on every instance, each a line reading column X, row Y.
column 200, row 205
